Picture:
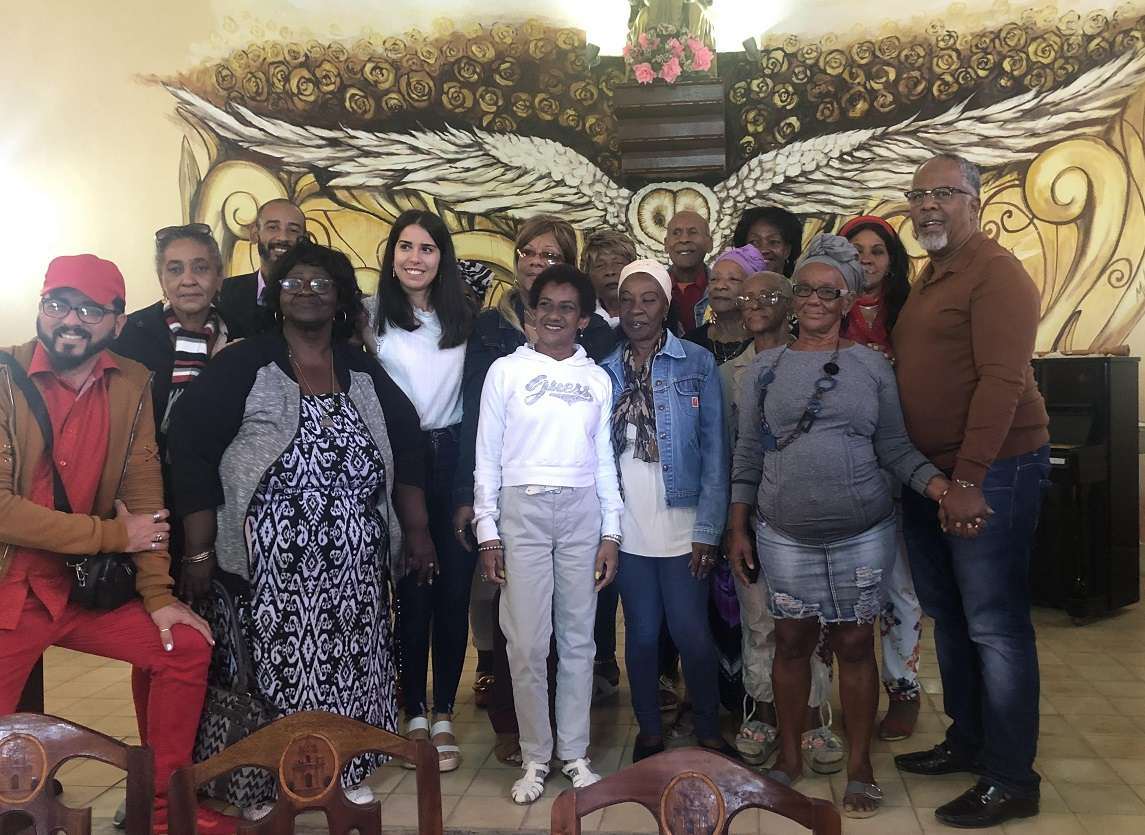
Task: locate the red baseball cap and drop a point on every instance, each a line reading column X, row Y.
column 99, row 280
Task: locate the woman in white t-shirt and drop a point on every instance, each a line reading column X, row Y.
column 423, row 321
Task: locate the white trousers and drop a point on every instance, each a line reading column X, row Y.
column 551, row 540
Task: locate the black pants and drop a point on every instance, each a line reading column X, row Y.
column 436, row 614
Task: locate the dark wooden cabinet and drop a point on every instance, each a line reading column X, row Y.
column 671, row 131
column 1086, row 555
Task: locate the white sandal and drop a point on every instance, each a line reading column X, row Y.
column 418, row 723
column 448, row 756
column 580, row 773
column 532, row 785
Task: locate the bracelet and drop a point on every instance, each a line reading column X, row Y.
column 202, row 556
column 490, row 547
column 611, row 537
column 965, row 485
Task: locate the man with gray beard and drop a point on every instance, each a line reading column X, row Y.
column 963, row 345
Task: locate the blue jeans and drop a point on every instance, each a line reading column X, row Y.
column 978, row 592
column 652, row 588
column 436, row 614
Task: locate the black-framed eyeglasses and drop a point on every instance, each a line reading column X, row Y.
column 89, row 314
column 318, row 285
column 943, row 194
column 169, row 232
column 827, row 294
column 548, row 257
column 767, row 299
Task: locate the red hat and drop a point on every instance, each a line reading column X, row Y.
column 99, row 280
column 866, row 220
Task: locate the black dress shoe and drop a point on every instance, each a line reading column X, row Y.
column 985, row 805
column 640, row 750
column 938, row 760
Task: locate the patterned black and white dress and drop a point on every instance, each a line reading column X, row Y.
column 319, row 620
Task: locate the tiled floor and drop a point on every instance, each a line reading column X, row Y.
column 1092, row 747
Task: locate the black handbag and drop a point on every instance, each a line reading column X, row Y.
column 99, row 581
column 233, row 712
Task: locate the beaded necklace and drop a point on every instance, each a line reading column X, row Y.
column 815, row 405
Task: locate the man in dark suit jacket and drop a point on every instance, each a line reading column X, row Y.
column 277, row 227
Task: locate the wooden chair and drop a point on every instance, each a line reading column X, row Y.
column 693, row 791
column 307, row 752
column 32, row 748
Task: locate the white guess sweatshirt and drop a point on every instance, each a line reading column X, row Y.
column 548, row 423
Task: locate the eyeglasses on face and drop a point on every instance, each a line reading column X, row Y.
column 827, row 294
column 547, row 256
column 89, row 314
column 943, row 194
column 317, row 285
column 767, row 299
column 169, row 232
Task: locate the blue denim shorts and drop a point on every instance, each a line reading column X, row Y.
column 837, row 582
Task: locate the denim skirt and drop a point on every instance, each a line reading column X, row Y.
column 836, row 582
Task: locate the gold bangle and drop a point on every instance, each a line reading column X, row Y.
column 202, row 556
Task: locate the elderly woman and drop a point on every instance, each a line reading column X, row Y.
column 423, row 320
column 724, row 334
column 817, row 420
column 605, row 254
column 295, row 458
column 548, row 519
column 671, row 441
column 541, row 242
column 886, row 271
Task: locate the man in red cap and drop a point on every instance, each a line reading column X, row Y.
column 104, row 452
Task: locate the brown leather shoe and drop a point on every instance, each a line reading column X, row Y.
column 902, row 715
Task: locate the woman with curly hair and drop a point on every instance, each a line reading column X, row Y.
column 886, row 276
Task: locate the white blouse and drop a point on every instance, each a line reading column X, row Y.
column 430, row 376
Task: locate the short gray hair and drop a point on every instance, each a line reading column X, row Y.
column 188, row 234
column 970, row 172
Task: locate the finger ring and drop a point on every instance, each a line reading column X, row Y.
column 154, row 545
column 164, row 628
column 484, row 576
column 157, row 538
column 460, row 530
column 157, row 516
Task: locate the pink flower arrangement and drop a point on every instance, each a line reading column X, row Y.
column 667, row 52
column 644, row 73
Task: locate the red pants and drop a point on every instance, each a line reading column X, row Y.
column 168, row 716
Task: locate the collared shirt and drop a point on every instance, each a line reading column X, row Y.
column 613, row 321
column 963, row 344
column 685, row 297
column 81, row 427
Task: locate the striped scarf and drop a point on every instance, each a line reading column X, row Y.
column 192, row 350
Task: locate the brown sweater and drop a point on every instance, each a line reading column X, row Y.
column 963, row 344
column 131, row 473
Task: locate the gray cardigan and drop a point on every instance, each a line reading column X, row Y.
column 828, row 484
column 241, row 414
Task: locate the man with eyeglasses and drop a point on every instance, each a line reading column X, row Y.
column 277, row 227
column 91, row 486
column 963, row 344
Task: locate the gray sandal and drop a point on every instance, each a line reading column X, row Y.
column 871, row 791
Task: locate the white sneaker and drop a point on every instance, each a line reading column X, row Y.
column 580, row 773
column 532, row 785
column 257, row 812
column 361, row 794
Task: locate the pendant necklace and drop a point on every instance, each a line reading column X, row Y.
column 814, row 405
column 327, row 419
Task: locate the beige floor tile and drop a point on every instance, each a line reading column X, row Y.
column 452, row 782
column 628, row 817
column 1088, row 798
column 1131, row 771
column 496, row 782
column 1084, row 706
column 486, row 813
column 1046, row 824
column 888, row 821
column 931, row 792
column 1124, row 745
column 87, row 773
column 1113, row 824
column 1076, row 770
column 400, row 810
column 1065, row 745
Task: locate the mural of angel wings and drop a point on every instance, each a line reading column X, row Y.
column 832, row 174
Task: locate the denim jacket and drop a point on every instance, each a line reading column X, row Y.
column 690, row 431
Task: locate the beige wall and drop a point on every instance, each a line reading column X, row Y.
column 88, row 154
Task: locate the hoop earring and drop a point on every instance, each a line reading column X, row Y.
column 345, row 317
